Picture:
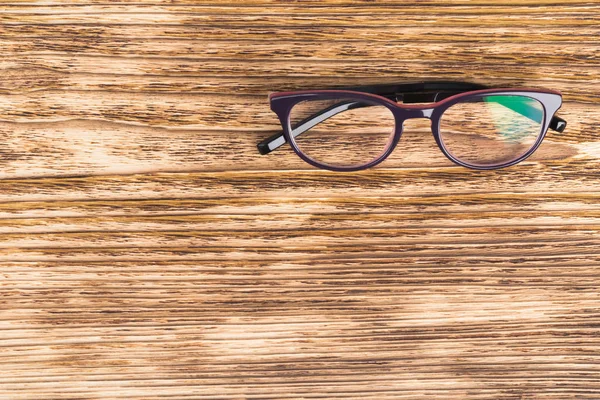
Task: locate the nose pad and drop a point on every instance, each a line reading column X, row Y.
column 391, row 138
column 395, row 135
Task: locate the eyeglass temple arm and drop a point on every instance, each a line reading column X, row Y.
column 425, row 92
column 273, row 142
column 557, row 124
column 422, row 92
column 390, row 91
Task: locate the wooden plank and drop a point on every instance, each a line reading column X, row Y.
column 147, row 251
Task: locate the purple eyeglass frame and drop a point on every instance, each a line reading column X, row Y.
column 442, row 95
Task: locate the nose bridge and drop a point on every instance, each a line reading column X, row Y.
column 412, row 113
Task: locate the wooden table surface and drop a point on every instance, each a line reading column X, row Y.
column 147, row 251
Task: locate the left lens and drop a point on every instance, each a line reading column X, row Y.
column 491, row 130
column 342, row 132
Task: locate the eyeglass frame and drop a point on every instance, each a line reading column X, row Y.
column 441, row 95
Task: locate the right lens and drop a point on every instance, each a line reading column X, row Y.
column 342, row 132
column 491, row 130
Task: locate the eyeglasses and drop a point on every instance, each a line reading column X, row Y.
column 357, row 128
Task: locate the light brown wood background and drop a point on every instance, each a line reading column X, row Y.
column 148, row 252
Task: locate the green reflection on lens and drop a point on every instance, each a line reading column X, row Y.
column 512, row 114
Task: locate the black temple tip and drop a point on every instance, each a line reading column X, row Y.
column 263, row 148
column 558, row 124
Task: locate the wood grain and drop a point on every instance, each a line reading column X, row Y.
column 148, row 252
